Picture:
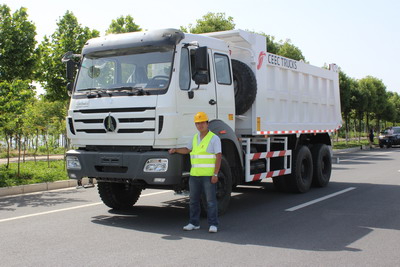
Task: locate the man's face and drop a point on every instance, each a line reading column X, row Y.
column 202, row 126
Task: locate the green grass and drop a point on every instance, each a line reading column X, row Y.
column 32, row 173
column 350, row 144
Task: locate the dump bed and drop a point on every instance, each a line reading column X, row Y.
column 292, row 96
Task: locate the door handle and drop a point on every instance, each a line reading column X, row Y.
column 212, row 102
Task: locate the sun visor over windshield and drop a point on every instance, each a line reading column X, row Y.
column 158, row 38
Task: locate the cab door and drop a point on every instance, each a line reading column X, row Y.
column 223, row 82
column 192, row 98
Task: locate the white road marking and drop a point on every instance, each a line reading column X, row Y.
column 71, row 208
column 320, row 199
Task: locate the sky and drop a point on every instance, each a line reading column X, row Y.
column 360, row 36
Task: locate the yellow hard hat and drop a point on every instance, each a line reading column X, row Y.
column 200, row 117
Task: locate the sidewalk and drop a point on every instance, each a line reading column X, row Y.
column 32, row 188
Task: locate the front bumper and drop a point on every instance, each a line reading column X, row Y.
column 385, row 141
column 128, row 166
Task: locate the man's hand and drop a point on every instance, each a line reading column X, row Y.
column 181, row 150
column 214, row 179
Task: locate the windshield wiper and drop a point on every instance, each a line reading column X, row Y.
column 97, row 92
column 88, row 89
column 133, row 90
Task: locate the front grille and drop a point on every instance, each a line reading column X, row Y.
column 130, row 120
column 91, row 131
column 135, row 120
column 135, row 130
column 91, row 121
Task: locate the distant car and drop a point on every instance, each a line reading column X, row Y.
column 387, row 139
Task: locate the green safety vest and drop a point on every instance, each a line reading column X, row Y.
column 203, row 163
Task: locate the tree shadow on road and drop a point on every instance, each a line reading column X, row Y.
column 42, row 199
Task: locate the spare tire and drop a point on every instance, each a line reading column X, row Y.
column 245, row 86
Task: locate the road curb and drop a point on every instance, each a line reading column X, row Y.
column 40, row 187
column 353, row 149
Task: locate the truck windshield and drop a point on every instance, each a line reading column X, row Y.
column 138, row 70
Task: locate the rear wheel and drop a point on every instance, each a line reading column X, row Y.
column 118, row 196
column 322, row 161
column 302, row 171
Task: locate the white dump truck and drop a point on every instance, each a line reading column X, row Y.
column 135, row 96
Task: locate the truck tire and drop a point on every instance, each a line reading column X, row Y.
column 224, row 188
column 299, row 181
column 118, row 196
column 245, row 86
column 322, row 162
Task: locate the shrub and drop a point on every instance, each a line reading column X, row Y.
column 32, row 172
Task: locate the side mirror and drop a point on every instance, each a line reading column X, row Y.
column 201, row 59
column 201, row 78
column 68, row 60
column 202, row 72
column 70, row 64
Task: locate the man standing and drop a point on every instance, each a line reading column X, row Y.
column 205, row 157
column 371, row 138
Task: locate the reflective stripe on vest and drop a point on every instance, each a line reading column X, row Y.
column 203, row 163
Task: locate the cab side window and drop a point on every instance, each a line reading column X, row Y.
column 222, row 69
column 184, row 72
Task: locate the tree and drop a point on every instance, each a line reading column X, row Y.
column 272, row 46
column 15, row 96
column 285, row 49
column 346, row 85
column 211, row 22
column 289, row 50
column 122, row 25
column 17, row 45
column 46, row 119
column 389, row 114
column 359, row 101
column 369, row 101
column 69, row 36
column 394, row 100
column 377, row 98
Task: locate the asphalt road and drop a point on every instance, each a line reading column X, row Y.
column 355, row 221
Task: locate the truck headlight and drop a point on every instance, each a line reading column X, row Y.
column 73, row 163
column 156, row 165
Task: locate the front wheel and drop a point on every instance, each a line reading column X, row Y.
column 118, row 196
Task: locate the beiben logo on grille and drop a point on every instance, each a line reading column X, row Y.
column 110, row 123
